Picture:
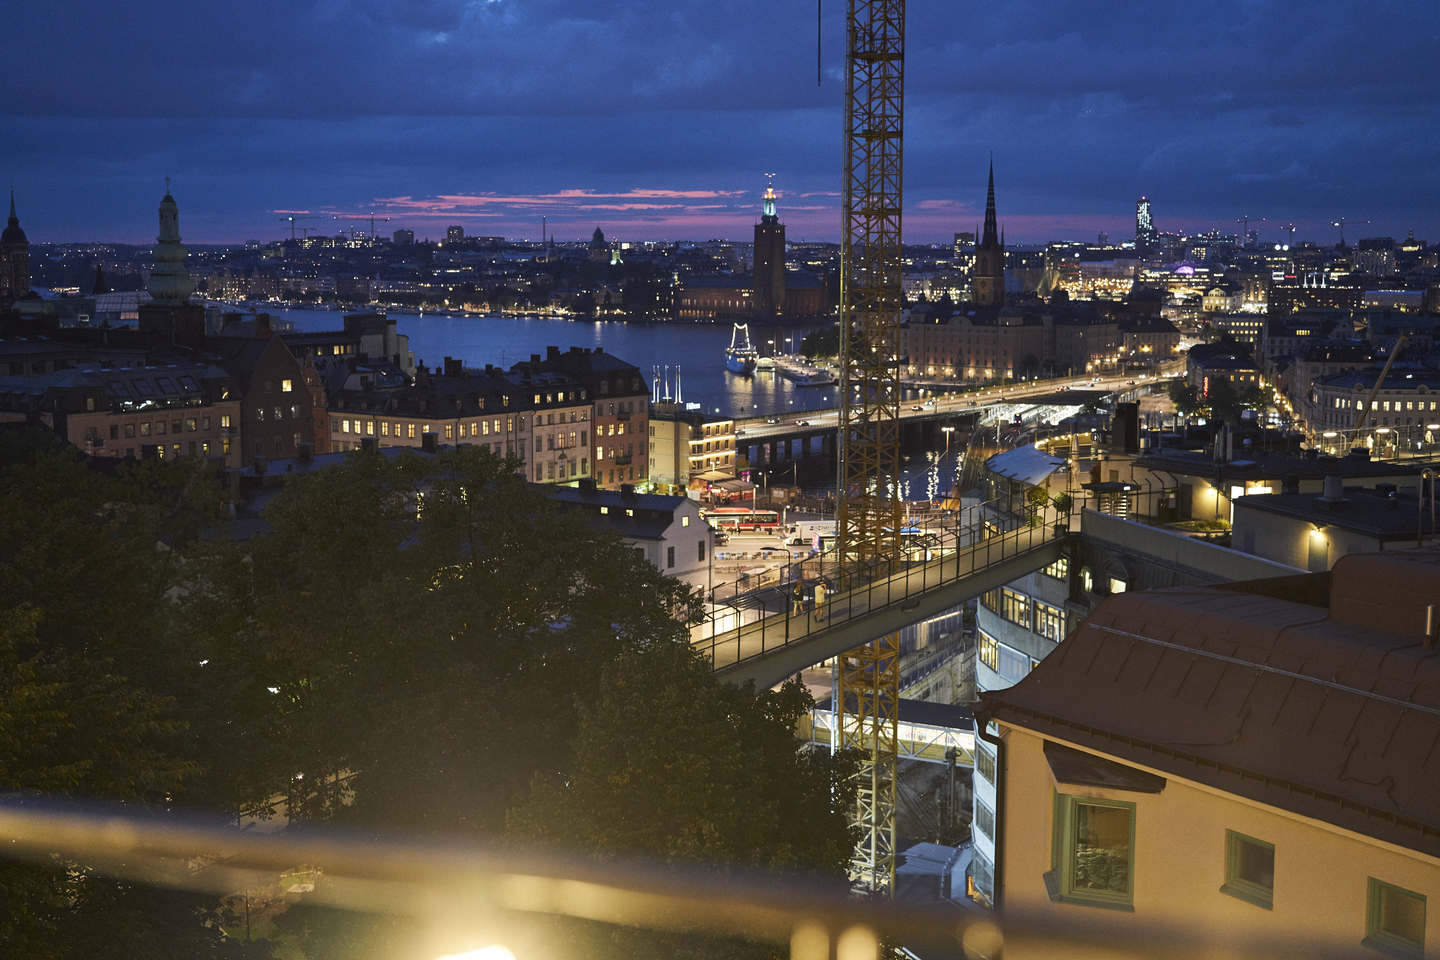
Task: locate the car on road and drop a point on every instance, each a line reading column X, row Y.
column 1130, row 382
column 772, row 419
column 917, row 407
column 739, row 431
column 970, row 403
column 801, row 423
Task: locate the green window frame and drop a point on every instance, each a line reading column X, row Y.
column 1395, row 920
column 1249, row 870
column 1092, row 860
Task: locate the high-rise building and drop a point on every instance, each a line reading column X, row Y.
column 988, row 280
column 1144, row 226
column 402, row 237
column 14, row 258
column 454, row 234
column 769, row 260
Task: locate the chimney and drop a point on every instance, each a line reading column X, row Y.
column 535, row 358
column 304, row 452
column 260, row 465
column 587, row 485
column 627, row 491
column 262, row 325
column 1333, row 495
column 149, row 451
column 427, row 442
column 552, row 353
column 1290, row 483
column 368, row 445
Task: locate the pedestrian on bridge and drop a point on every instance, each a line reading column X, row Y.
column 799, row 594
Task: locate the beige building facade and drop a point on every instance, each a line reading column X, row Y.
column 1248, row 768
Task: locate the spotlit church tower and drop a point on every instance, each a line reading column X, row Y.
column 14, row 258
column 988, row 280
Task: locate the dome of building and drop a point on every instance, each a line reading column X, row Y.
column 597, row 240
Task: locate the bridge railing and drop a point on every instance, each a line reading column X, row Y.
column 832, row 592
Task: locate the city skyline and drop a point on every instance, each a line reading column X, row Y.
column 657, row 122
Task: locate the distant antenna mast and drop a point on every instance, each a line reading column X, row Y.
column 819, row 4
column 678, row 398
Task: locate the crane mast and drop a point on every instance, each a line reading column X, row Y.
column 868, row 505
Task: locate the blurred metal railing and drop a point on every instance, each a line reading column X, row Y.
column 468, row 897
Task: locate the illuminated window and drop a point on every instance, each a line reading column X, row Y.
column 989, row 651
column 1092, row 861
column 1049, row 621
column 1060, row 569
column 1015, row 607
column 284, row 386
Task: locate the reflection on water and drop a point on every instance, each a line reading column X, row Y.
column 695, row 353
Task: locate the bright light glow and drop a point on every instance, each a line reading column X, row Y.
column 493, row 952
column 1316, row 533
column 1329, row 433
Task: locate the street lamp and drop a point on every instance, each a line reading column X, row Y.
column 947, row 431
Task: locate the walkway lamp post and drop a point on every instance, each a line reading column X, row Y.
column 949, row 474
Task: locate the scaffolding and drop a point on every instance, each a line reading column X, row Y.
column 868, row 512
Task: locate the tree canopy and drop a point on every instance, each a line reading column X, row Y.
column 416, row 645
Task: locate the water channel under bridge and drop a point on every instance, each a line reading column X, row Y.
column 766, row 636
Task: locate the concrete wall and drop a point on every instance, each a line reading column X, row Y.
column 1296, row 542
column 1321, row 872
column 1205, row 562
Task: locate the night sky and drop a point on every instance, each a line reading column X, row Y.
column 658, row 119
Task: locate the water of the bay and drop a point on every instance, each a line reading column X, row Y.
column 694, row 354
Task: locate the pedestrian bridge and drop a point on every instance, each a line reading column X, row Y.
column 766, row 645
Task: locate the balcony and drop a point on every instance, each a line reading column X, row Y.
column 622, row 415
column 621, row 461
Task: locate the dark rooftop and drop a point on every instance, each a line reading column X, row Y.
column 1376, row 513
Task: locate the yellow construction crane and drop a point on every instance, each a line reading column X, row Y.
column 868, row 503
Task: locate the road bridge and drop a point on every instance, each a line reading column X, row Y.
column 807, row 424
column 766, row 646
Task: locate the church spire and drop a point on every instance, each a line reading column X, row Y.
column 990, row 225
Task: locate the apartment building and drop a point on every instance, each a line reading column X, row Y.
column 1240, row 765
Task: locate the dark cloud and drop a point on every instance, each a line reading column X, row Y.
column 1301, row 111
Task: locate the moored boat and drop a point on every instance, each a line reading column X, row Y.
column 740, row 356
